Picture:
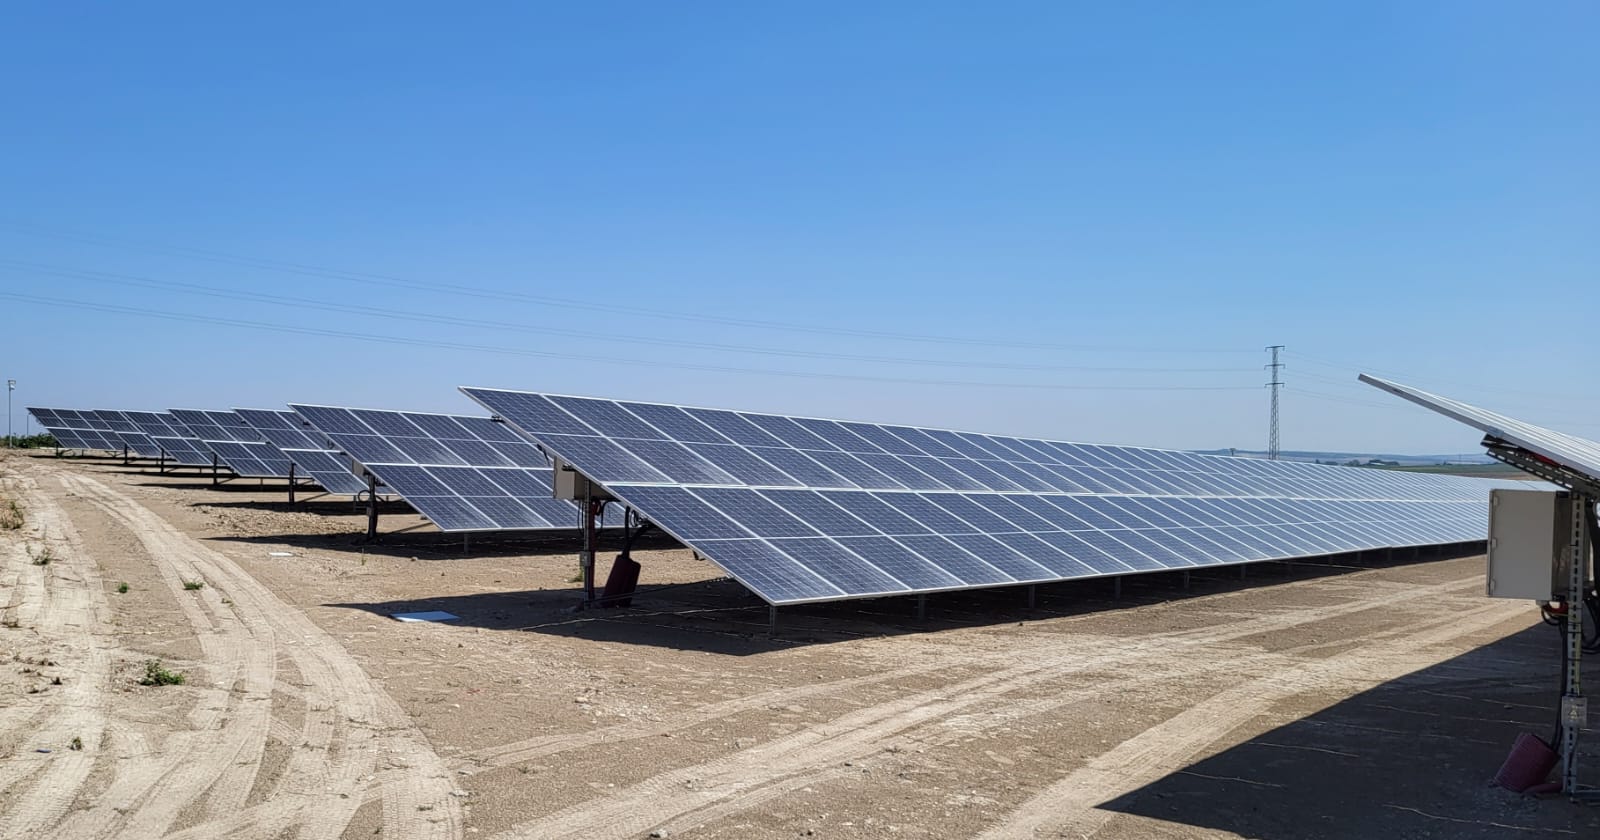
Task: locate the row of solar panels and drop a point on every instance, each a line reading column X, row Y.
column 462, row 473
column 807, row 509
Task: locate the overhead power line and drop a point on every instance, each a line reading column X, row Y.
column 481, row 348
column 459, row 289
column 297, row 303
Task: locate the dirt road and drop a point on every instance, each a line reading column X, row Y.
column 1331, row 702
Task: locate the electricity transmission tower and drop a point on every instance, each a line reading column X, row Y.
column 1274, row 385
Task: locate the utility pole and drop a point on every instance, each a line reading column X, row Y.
column 1274, row 385
column 11, row 385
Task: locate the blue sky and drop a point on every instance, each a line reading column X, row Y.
column 1080, row 221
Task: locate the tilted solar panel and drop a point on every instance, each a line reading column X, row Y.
column 312, row 455
column 176, row 442
column 1571, row 451
column 463, row 473
column 77, row 429
column 133, row 438
column 804, row 509
column 234, row 443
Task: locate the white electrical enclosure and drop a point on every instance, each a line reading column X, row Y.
column 1528, row 535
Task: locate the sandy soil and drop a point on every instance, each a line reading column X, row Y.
column 1340, row 700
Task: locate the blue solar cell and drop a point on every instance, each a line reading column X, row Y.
column 608, row 418
column 839, row 566
column 766, row 570
column 598, row 456
column 1002, row 557
column 743, row 466
column 755, row 513
column 678, row 424
column 820, row 513
column 905, row 565
column 969, row 567
column 675, row 461
column 685, row 514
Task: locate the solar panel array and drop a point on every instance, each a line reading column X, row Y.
column 463, row 473
column 1580, row 454
column 176, row 443
column 235, row 443
column 133, row 438
column 77, row 429
column 802, row 509
column 312, row 456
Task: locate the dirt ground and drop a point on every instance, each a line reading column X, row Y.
column 1350, row 699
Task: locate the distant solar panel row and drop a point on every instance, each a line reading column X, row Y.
column 463, row 473
column 235, row 443
column 802, row 509
column 312, row 456
column 77, row 429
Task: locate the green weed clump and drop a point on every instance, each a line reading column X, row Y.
column 122, row 588
column 192, row 585
column 44, row 558
column 156, row 674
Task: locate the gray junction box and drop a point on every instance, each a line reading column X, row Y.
column 1529, row 542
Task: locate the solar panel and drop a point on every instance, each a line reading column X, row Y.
column 77, row 429
column 175, row 440
column 463, row 473
column 312, row 455
column 1577, row 453
column 804, row 509
column 133, row 438
column 235, row 443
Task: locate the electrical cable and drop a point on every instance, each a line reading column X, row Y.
column 479, row 323
column 543, row 354
column 457, row 289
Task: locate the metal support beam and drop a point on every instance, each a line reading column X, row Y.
column 590, row 544
column 372, row 508
column 291, row 482
column 772, row 620
column 922, row 607
column 214, row 480
column 1186, row 580
column 1116, row 588
column 1574, row 707
column 1033, row 596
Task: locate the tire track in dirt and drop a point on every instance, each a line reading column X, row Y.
column 229, row 721
column 63, row 604
column 676, row 793
column 1067, row 807
column 954, row 729
column 369, row 724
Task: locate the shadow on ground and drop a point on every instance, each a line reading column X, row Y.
column 1354, row 769
column 721, row 616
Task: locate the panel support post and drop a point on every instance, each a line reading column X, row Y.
column 372, row 508
column 1573, row 706
column 291, row 482
column 772, row 620
column 590, row 539
column 1242, row 568
column 161, row 463
column 466, row 542
column 1186, row 580
column 214, row 480
column 124, row 455
column 1116, row 588
column 1033, row 595
column 922, row 608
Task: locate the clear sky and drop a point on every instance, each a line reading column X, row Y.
column 1070, row 220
